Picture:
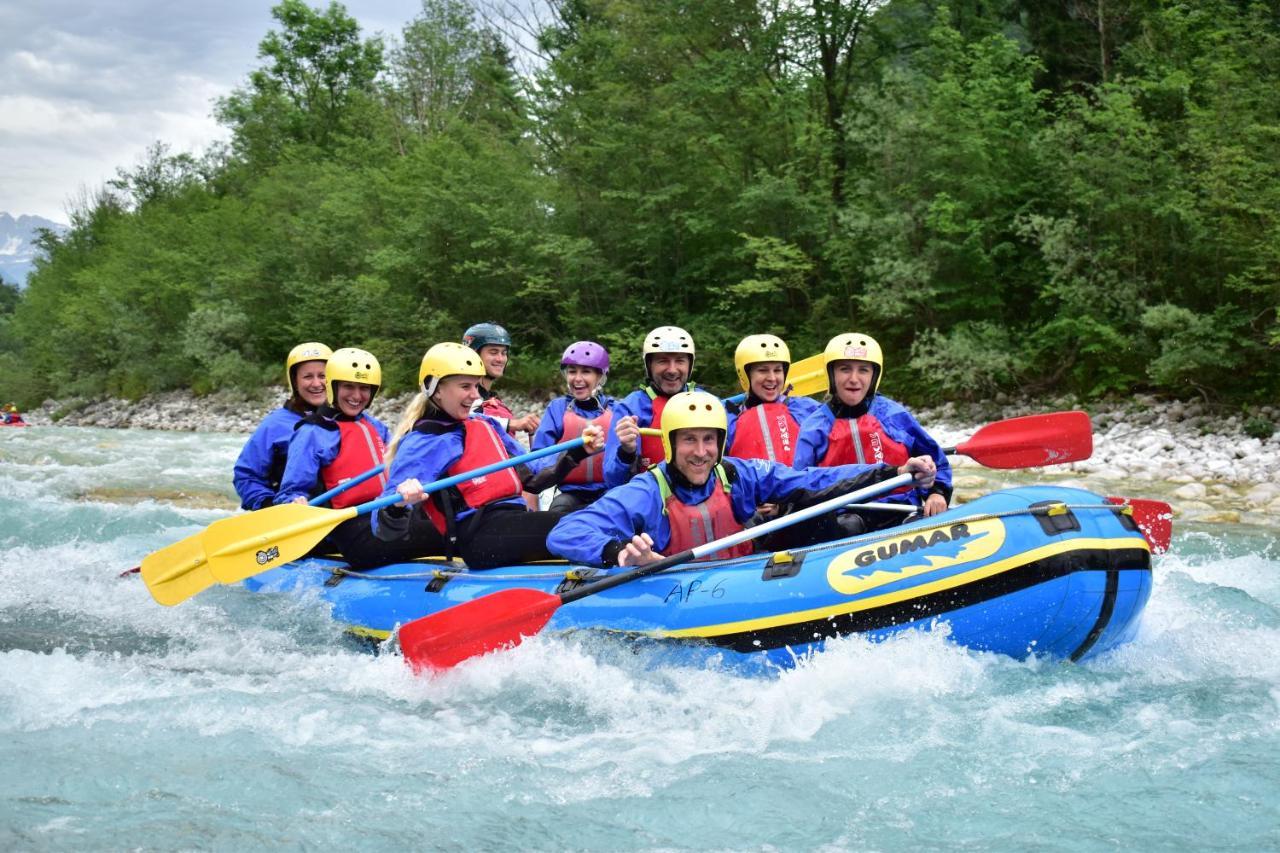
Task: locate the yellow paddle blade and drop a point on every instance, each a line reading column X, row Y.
column 245, row 545
column 176, row 573
column 808, row 376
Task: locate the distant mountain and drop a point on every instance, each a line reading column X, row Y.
column 18, row 248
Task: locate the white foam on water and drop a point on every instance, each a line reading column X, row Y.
column 241, row 720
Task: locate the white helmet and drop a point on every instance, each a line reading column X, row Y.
column 668, row 340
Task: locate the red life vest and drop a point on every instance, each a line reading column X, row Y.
column 495, row 408
column 589, row 470
column 698, row 524
column 766, row 431
column 481, row 446
column 359, row 449
column 863, row 442
column 651, row 452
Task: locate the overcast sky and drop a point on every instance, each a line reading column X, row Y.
column 86, row 86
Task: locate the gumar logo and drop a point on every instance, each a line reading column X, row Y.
column 272, row 553
column 910, row 554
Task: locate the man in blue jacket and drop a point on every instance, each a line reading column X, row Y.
column 668, row 364
column 696, row 496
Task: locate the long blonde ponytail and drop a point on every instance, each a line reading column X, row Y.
column 412, row 414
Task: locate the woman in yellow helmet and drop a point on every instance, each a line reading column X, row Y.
column 860, row 425
column 486, row 519
column 767, row 425
column 337, row 442
column 261, row 462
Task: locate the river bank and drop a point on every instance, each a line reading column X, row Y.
column 1206, row 465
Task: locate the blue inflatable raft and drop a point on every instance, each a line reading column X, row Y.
column 1037, row 570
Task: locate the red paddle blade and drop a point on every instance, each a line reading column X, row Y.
column 1032, row 441
column 1154, row 519
column 496, row 621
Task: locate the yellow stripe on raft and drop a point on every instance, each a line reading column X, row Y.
column 795, row 617
column 746, row 625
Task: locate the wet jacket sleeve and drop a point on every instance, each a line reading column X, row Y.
column 311, row 448
column 762, row 481
column 423, row 457
column 266, row 449
column 903, row 427
column 815, row 435
column 593, row 536
column 619, row 466
column 802, row 407
column 551, row 427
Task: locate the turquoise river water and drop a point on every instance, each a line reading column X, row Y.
column 238, row 721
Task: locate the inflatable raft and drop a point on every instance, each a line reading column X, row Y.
column 1035, row 570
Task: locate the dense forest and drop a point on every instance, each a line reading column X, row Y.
column 1033, row 196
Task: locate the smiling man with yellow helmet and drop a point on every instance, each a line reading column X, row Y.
column 695, row 495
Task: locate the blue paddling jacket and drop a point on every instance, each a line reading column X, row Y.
column 550, row 430
column 899, row 424
column 312, row 448
column 260, row 465
column 593, row 536
column 639, row 403
column 436, row 443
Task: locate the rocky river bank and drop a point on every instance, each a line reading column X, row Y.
column 1211, row 467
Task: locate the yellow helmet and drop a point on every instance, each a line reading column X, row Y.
column 854, row 346
column 667, row 340
column 448, row 359
column 310, row 351
column 352, row 365
column 757, row 348
column 689, row 410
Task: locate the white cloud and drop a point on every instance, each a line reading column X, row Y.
column 86, row 87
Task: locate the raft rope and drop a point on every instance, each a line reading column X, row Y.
column 579, row 573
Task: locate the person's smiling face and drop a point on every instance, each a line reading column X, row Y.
column 767, row 379
column 852, row 379
column 694, row 453
column 670, row 371
column 308, row 381
column 352, row 398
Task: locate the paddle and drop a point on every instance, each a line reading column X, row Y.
column 187, row 555
column 1154, row 519
column 232, row 549
column 1030, row 441
column 805, row 378
column 503, row 619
